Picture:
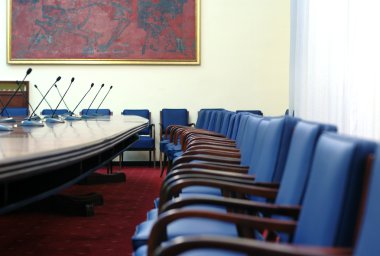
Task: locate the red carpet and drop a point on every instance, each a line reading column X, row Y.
column 109, row 232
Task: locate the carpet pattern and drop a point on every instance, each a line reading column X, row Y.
column 38, row 232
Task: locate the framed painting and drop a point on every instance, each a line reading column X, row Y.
column 104, row 32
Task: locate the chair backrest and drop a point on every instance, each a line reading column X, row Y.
column 139, row 112
column 49, row 112
column 93, row 111
column 202, row 114
column 207, row 116
column 241, row 130
column 226, row 121
column 249, row 138
column 219, row 120
column 255, row 112
column 299, row 160
column 235, row 127
column 274, row 149
column 173, row 116
column 368, row 241
column 15, row 111
column 332, row 197
column 212, row 120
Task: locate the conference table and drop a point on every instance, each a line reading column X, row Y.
column 37, row 162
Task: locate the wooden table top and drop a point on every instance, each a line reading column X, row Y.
column 33, row 149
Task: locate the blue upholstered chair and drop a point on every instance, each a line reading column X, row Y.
column 366, row 244
column 93, row 111
column 146, row 141
column 328, row 216
column 268, row 166
column 170, row 117
column 49, row 112
column 16, row 111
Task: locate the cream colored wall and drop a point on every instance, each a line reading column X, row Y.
column 244, row 65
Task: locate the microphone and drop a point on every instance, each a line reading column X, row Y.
column 60, row 95
column 103, row 99
column 85, row 115
column 36, row 117
column 35, row 86
column 28, row 122
column 55, row 120
column 71, row 117
column 10, row 119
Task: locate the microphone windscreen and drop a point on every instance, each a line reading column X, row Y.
column 111, row 87
column 58, row 78
column 29, row 71
column 92, row 85
column 35, row 86
column 102, row 85
column 72, row 79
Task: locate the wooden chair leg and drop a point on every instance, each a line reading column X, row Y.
column 163, row 165
column 154, row 158
column 160, row 160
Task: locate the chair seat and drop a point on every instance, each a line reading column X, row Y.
column 180, row 227
column 203, row 190
column 144, row 142
column 15, row 111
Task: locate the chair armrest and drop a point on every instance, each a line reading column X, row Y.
column 237, row 168
column 217, row 175
column 207, row 176
column 207, row 158
column 213, row 152
column 159, row 229
column 235, row 204
column 153, row 131
column 173, row 189
column 180, row 245
column 212, row 146
column 195, row 171
column 186, row 145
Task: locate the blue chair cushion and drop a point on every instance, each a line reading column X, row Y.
column 14, row 111
column 177, row 228
column 139, row 112
column 101, row 111
column 48, row 112
column 143, row 251
column 144, row 142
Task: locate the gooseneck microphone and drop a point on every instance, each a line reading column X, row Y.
column 92, row 85
column 103, row 99
column 101, row 87
column 35, row 86
column 28, row 122
column 26, row 100
column 62, row 97
column 11, row 98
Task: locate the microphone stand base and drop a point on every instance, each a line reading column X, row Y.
column 33, row 118
column 52, row 120
column 73, row 118
column 6, row 128
column 31, row 123
column 7, row 120
column 88, row 117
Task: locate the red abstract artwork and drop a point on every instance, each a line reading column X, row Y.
column 94, row 31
